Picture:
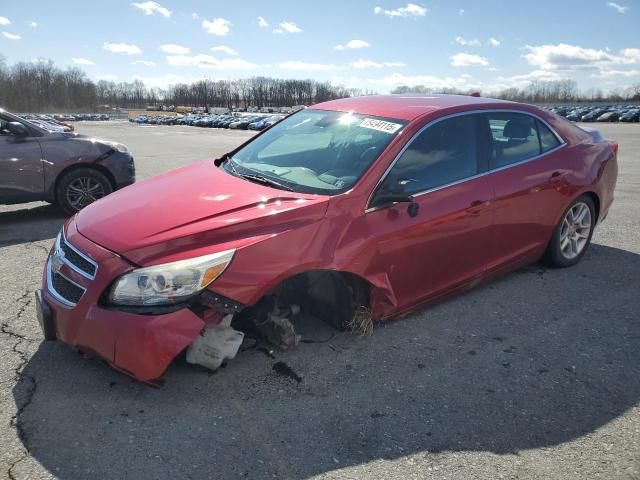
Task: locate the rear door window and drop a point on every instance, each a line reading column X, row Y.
column 515, row 138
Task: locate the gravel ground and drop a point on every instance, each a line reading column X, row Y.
column 535, row 375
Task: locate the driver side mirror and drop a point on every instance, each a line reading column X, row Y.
column 17, row 129
column 395, row 192
column 391, row 197
column 392, row 192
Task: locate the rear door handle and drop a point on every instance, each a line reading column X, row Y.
column 476, row 206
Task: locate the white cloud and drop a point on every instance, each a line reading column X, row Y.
column 125, row 48
column 4, row 21
column 605, row 73
column 430, row 81
column 521, row 81
column 461, row 12
column 151, row 8
column 297, row 65
column 630, row 55
column 217, row 26
column 617, row 7
column 82, row 61
column 361, row 63
column 494, row 42
column 355, row 44
column 411, row 10
column 564, row 56
column 11, row 36
column 225, row 49
column 466, row 82
column 469, row 43
column 146, row 63
column 33, row 24
column 262, row 22
column 288, row 27
column 195, row 16
column 467, row 59
column 173, row 49
column 209, row 61
column 108, row 77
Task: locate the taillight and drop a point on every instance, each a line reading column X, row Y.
column 614, row 146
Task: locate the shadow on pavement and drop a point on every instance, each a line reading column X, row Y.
column 532, row 360
column 30, row 225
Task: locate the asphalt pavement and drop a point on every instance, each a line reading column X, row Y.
column 535, row 375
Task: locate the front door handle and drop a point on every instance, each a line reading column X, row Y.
column 477, row 206
column 556, row 177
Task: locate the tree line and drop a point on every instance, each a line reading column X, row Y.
column 539, row 91
column 42, row 87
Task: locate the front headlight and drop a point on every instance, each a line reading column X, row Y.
column 170, row 282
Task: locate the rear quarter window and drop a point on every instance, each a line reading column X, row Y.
column 548, row 141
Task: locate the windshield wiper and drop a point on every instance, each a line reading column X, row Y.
column 264, row 181
column 252, row 177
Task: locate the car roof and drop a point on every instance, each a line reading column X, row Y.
column 405, row 107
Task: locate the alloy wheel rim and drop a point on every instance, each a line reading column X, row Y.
column 84, row 190
column 575, row 231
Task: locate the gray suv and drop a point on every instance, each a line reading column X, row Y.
column 67, row 169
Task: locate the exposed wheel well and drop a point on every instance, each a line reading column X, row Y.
column 596, row 203
column 94, row 166
column 332, row 296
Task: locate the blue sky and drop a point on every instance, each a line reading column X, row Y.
column 375, row 45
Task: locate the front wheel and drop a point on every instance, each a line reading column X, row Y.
column 80, row 187
column 572, row 235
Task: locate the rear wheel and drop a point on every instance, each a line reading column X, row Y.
column 80, row 187
column 572, row 235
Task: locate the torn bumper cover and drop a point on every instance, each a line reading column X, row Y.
column 137, row 343
column 142, row 346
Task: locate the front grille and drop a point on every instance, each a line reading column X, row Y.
column 65, row 288
column 75, row 259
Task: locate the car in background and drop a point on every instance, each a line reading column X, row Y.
column 266, row 122
column 632, row 115
column 70, row 170
column 42, row 123
column 609, row 117
column 376, row 204
column 593, row 115
column 242, row 123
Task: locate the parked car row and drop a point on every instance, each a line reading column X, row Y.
column 233, row 121
column 48, row 122
column 608, row 113
column 81, row 116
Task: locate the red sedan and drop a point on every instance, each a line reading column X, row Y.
column 377, row 204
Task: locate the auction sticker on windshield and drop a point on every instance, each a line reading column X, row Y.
column 380, row 125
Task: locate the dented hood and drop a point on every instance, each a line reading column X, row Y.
column 191, row 208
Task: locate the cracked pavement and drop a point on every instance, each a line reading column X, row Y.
column 534, row 375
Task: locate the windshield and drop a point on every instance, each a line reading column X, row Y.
column 316, row 151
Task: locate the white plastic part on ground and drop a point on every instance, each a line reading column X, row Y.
column 215, row 344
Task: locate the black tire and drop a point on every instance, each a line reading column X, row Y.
column 555, row 255
column 67, row 196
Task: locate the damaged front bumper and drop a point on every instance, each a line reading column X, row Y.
column 139, row 344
